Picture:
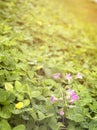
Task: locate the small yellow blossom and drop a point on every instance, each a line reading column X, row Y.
column 42, row 48
column 19, row 105
column 39, row 23
column 38, row 67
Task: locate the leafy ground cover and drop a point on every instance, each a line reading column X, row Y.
column 48, row 72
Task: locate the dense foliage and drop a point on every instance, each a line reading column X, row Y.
column 44, row 56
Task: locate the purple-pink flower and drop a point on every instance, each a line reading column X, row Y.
column 71, row 96
column 69, row 93
column 79, row 76
column 68, row 76
column 57, row 76
column 61, row 112
column 53, row 99
column 74, row 97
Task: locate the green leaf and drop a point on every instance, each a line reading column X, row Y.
column 71, row 125
column 18, row 86
column 11, row 98
column 26, row 102
column 6, row 97
column 4, row 125
column 43, row 128
column 36, row 94
column 19, row 96
column 76, row 114
column 19, row 127
column 46, row 91
column 93, row 125
column 22, row 88
column 40, row 115
column 16, row 111
column 8, row 87
column 33, row 114
column 3, row 95
column 53, row 124
column 5, row 112
column 49, row 115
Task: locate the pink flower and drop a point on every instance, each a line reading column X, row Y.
column 61, row 112
column 70, row 91
column 68, row 77
column 71, row 96
column 79, row 76
column 74, row 97
column 53, row 99
column 57, row 76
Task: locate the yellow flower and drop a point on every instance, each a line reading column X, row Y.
column 19, row 105
column 38, row 67
column 42, row 48
column 39, row 23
